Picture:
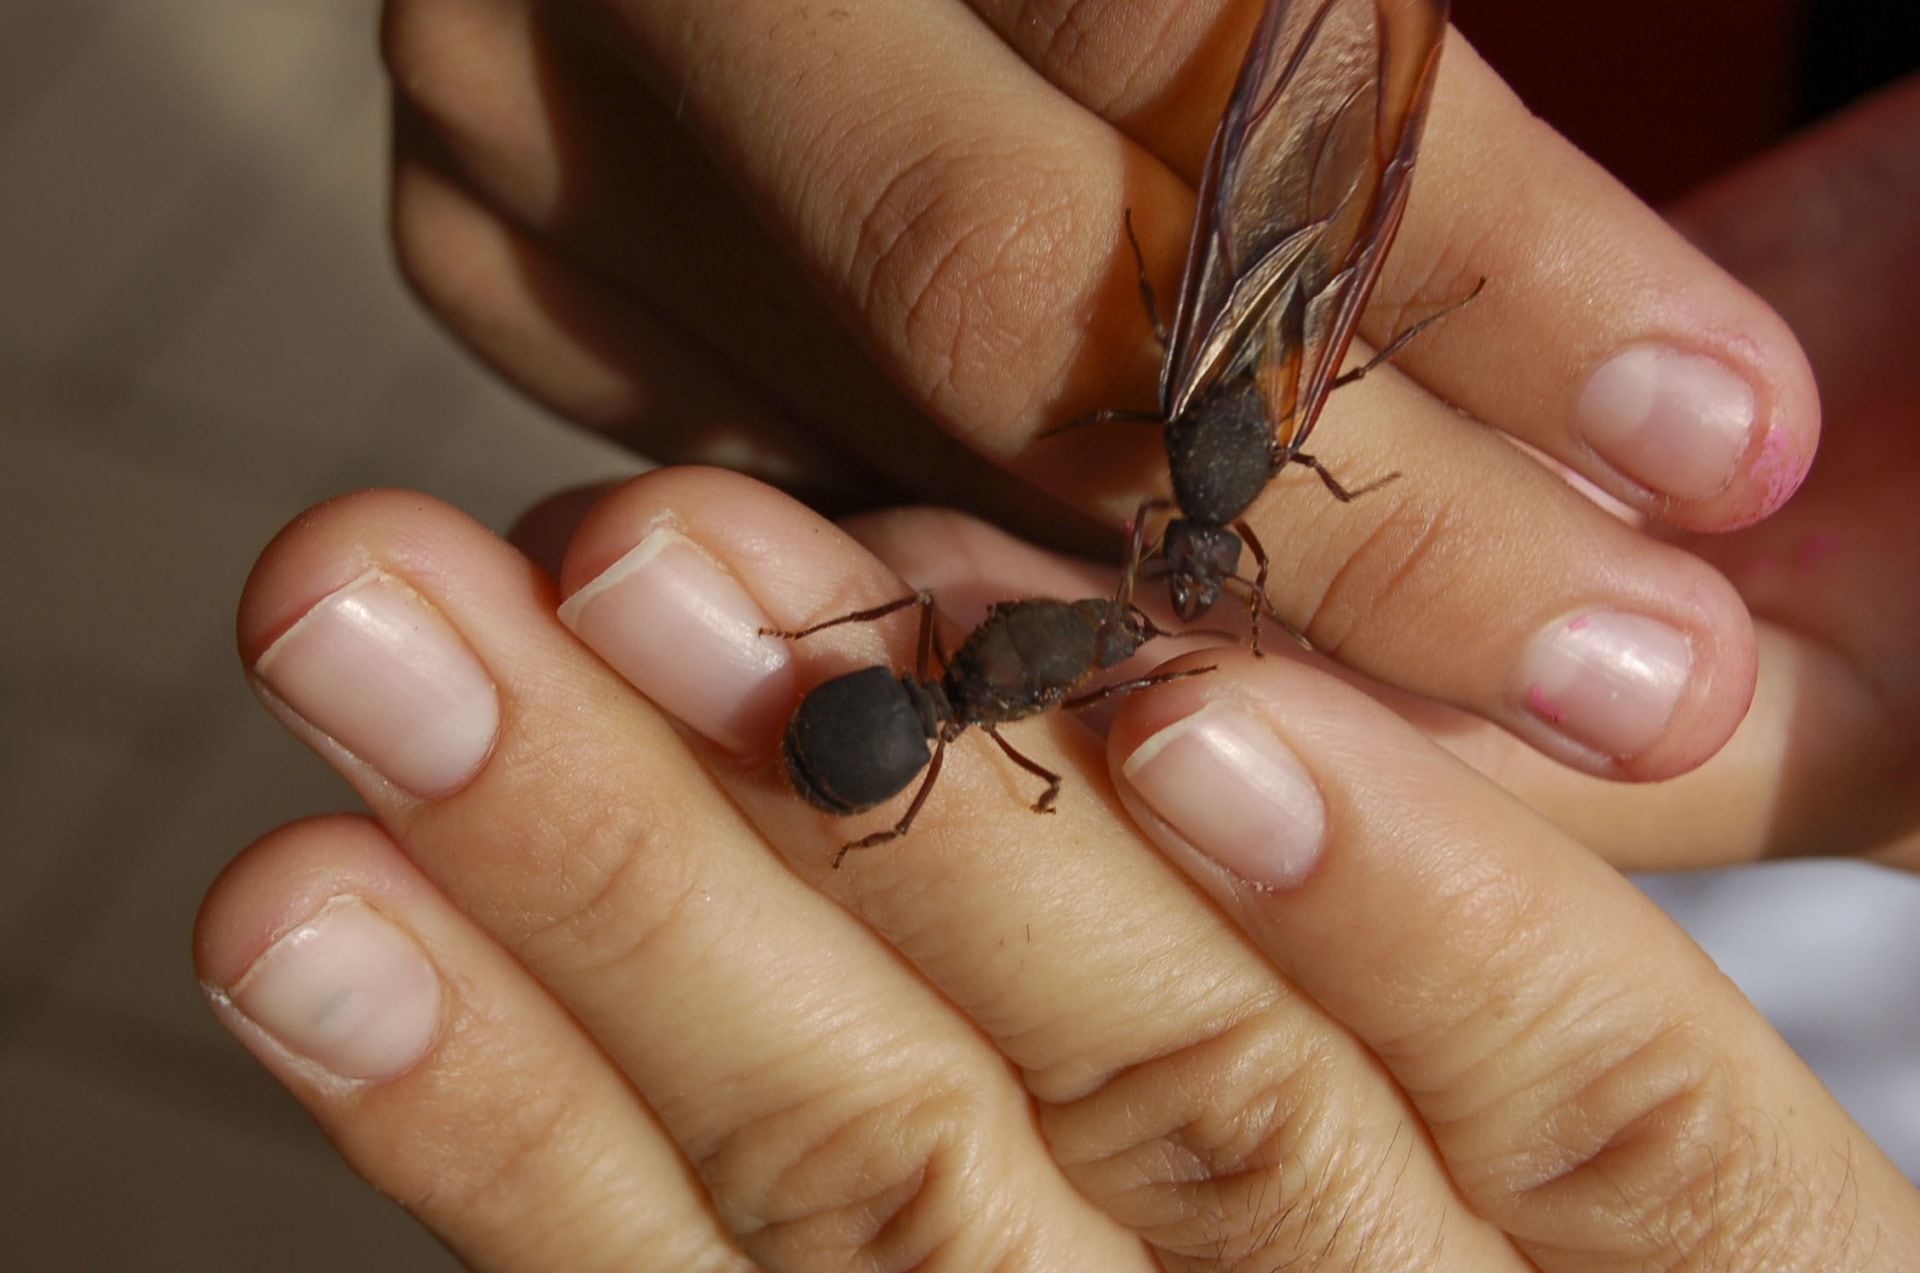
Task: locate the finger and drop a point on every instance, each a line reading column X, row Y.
column 1820, row 765
column 1480, row 580
column 586, row 350
column 1821, row 801
column 1647, row 696
column 1817, row 768
column 836, row 1110
column 1602, row 337
column 1596, row 1087
column 1516, row 669
column 551, row 131
column 1183, row 1087
column 441, row 1071
column 1664, row 381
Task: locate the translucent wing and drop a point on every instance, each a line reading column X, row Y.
column 1303, row 190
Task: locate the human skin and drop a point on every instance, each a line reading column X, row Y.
column 872, row 253
column 1414, row 1025
column 606, row 1004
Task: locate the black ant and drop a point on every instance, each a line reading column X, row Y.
column 859, row 739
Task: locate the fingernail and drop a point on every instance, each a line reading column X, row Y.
column 685, row 633
column 1676, row 422
column 1607, row 680
column 1234, row 791
column 348, row 989
column 381, row 672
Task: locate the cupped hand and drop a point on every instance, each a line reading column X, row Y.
column 585, row 991
column 871, row 251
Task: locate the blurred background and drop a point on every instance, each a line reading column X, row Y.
column 200, row 335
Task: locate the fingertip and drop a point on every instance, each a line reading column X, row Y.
column 303, row 952
column 1605, row 338
column 272, row 882
column 1710, row 429
column 327, row 546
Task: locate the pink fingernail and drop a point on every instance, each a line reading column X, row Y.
column 1607, row 680
column 382, row 673
column 1676, row 422
column 1233, row 790
column 349, row 990
column 686, row 634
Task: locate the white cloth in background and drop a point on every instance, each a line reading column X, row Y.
column 1830, row 952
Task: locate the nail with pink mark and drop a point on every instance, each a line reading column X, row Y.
column 1543, row 707
column 1607, row 680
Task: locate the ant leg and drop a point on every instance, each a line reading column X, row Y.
column 1332, row 483
column 1146, row 284
column 1257, row 598
column 922, row 598
column 1401, row 341
column 1257, row 595
column 1129, row 687
column 899, row 828
column 928, row 642
column 1045, row 803
column 1136, row 549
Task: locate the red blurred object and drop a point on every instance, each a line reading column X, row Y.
column 1665, row 93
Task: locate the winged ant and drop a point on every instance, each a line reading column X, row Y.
column 1303, row 191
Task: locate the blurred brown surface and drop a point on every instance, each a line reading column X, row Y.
column 201, row 334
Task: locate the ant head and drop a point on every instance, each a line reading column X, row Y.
column 1118, row 629
column 1200, row 559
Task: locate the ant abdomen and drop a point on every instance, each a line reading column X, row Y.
column 858, row 740
column 1220, row 452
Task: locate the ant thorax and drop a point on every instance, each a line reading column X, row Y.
column 1025, row 658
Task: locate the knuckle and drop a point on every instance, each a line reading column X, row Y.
column 1402, row 565
column 1120, row 61
column 1246, row 1151
column 1638, row 1147
column 947, row 262
column 408, row 37
column 419, row 215
column 484, row 1162
column 619, row 889
column 895, row 1174
column 421, row 51
column 1073, row 47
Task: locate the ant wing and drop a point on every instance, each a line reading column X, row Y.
column 1303, row 191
